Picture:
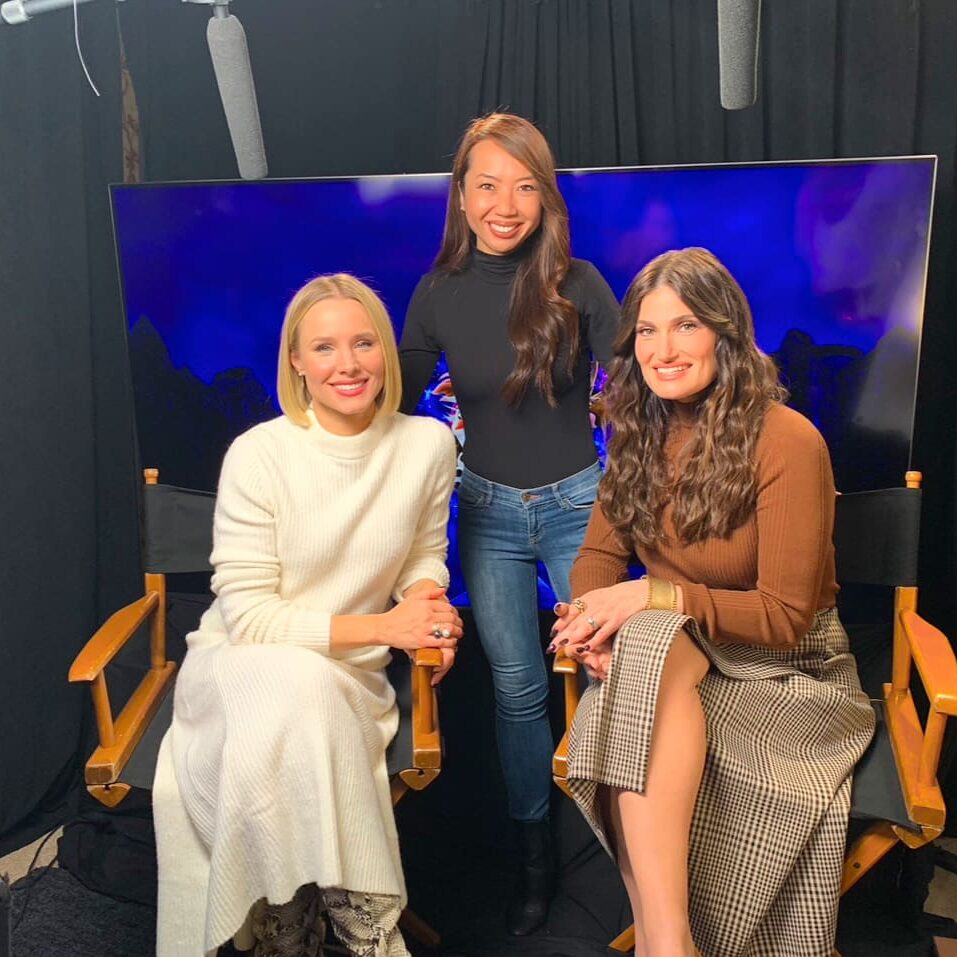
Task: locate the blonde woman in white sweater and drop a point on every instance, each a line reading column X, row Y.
column 329, row 549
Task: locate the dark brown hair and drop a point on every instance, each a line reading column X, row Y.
column 716, row 490
column 541, row 321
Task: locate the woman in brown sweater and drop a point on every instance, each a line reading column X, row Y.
column 712, row 753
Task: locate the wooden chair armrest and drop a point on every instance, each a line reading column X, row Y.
column 568, row 668
column 427, row 658
column 560, row 758
column 560, row 766
column 426, row 739
column 110, row 638
column 936, row 664
column 563, row 665
column 917, row 749
column 108, row 760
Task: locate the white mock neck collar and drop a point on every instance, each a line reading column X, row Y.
column 347, row 446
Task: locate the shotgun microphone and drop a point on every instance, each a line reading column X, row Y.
column 19, row 11
column 234, row 77
column 739, row 26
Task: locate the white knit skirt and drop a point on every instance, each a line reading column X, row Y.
column 785, row 728
column 279, row 760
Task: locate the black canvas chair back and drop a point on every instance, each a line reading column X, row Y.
column 876, row 539
column 896, row 798
column 177, row 529
column 177, row 538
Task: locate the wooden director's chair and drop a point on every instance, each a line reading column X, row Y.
column 896, row 797
column 177, row 538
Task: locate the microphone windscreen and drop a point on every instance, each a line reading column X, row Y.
column 739, row 25
column 234, row 76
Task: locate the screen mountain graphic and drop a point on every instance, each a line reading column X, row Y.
column 185, row 425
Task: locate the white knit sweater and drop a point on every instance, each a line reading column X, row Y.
column 277, row 743
column 310, row 524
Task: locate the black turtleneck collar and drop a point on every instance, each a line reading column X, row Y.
column 500, row 269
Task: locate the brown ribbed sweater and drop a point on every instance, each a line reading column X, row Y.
column 764, row 583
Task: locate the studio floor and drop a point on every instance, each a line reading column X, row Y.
column 106, row 927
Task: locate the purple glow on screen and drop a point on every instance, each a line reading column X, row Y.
column 832, row 256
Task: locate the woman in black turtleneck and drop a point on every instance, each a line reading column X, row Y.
column 519, row 321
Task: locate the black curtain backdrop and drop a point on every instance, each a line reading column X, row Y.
column 66, row 506
column 385, row 86
column 375, row 86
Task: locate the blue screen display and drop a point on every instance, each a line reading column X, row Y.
column 832, row 256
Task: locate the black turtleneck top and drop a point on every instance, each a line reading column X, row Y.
column 465, row 315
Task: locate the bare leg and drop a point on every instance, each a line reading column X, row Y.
column 608, row 799
column 652, row 829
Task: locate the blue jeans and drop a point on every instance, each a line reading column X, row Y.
column 503, row 533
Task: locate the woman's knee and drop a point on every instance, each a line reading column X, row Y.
column 521, row 692
column 279, row 679
column 686, row 664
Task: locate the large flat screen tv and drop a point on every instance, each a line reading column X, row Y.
column 831, row 254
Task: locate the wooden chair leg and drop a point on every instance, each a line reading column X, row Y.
column 624, row 943
column 413, row 926
column 398, row 789
column 865, row 852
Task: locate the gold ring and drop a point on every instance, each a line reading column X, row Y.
column 579, row 604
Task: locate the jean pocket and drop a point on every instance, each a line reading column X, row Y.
column 471, row 497
column 580, row 498
column 578, row 492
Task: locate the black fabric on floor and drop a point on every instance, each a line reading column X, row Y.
column 62, row 918
column 113, row 850
column 4, row 917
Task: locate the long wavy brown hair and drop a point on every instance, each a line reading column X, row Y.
column 716, row 490
column 542, row 323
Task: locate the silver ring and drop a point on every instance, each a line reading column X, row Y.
column 594, row 624
column 436, row 631
column 446, row 633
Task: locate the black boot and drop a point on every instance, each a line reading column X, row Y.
column 536, row 884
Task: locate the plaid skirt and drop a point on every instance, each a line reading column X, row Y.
column 785, row 728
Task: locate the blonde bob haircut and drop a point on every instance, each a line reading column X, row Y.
column 294, row 398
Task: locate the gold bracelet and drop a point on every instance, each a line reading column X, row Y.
column 662, row 594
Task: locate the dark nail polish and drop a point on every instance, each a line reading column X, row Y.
column 550, row 649
column 586, row 648
column 564, row 641
column 552, row 633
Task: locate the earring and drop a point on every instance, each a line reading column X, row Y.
column 302, row 374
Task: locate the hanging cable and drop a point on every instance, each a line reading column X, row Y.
column 79, row 52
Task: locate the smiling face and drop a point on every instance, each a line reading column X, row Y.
column 340, row 356
column 675, row 350
column 501, row 199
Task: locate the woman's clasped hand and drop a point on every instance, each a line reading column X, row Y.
column 584, row 626
column 426, row 619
